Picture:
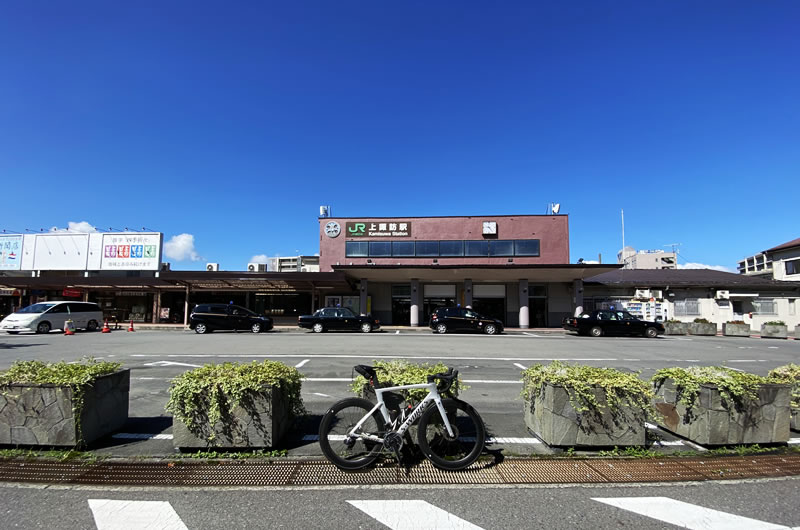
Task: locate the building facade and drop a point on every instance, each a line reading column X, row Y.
column 647, row 259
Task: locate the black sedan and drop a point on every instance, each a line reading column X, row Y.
column 206, row 318
column 612, row 322
column 445, row 319
column 337, row 319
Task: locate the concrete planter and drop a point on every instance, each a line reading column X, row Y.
column 773, row 331
column 676, row 328
column 712, row 421
column 260, row 421
column 735, row 330
column 551, row 417
column 45, row 415
column 700, row 328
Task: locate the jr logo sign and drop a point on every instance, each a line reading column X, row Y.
column 380, row 229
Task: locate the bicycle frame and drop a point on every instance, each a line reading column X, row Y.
column 433, row 395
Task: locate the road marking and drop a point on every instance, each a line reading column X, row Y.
column 521, row 367
column 737, row 369
column 686, row 515
column 742, row 361
column 631, row 359
column 320, row 394
column 301, row 363
column 171, row 363
column 141, row 436
column 350, row 356
column 412, row 515
column 772, row 347
column 397, row 332
column 134, row 515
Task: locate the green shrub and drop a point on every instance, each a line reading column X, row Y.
column 775, row 323
column 202, row 397
column 789, row 374
column 399, row 373
column 673, row 321
column 621, row 389
column 734, row 387
column 701, row 321
column 737, row 322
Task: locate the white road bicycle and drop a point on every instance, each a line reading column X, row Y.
column 354, row 432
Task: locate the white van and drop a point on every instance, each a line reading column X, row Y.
column 44, row 316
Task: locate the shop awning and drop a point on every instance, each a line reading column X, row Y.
column 476, row 273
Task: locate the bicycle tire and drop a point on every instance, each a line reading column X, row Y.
column 443, row 451
column 338, row 421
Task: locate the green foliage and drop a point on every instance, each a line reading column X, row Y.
column 202, row 397
column 622, row 390
column 701, row 321
column 61, row 373
column 734, row 387
column 775, row 323
column 789, row 374
column 631, row 452
column 405, row 373
column 737, row 322
column 60, row 455
column 238, row 455
column 673, row 321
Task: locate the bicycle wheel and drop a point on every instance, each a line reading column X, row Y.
column 335, row 425
column 444, row 451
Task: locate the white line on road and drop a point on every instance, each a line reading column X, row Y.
column 521, row 367
column 412, row 515
column 397, row 332
column 742, row 361
column 134, row 515
column 685, row 515
column 320, row 394
column 301, row 363
column 171, row 363
column 141, row 436
column 350, row 356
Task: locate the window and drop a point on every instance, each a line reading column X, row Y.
column 451, row 248
column 526, row 247
column 217, row 309
column 501, row 248
column 427, row 248
column 764, row 306
column 401, row 291
column 403, row 248
column 380, row 248
column 356, row 249
column 687, row 307
column 477, row 248
column 793, row 267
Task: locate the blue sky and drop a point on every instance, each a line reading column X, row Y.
column 227, row 124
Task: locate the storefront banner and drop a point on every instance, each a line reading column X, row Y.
column 379, row 229
column 10, row 252
column 131, row 251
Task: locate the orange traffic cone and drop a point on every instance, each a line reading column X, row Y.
column 69, row 328
column 105, row 329
column 130, row 328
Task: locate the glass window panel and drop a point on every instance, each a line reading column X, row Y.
column 526, row 247
column 401, row 290
column 356, row 249
column 451, row 248
column 501, row 248
column 427, row 248
column 476, row 248
column 380, row 248
column 402, row 248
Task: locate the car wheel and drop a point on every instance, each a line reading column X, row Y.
column 490, row 329
column 256, row 328
column 651, row 333
column 596, row 331
column 318, row 328
column 91, row 325
column 200, row 328
column 43, row 327
column 441, row 328
column 366, row 327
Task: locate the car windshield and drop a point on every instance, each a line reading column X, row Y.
column 36, row 308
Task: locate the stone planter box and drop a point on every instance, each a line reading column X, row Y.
column 259, row 422
column 735, row 330
column 699, row 328
column 676, row 328
column 710, row 422
column 772, row 331
column 552, row 418
column 44, row 415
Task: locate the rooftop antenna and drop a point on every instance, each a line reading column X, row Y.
column 674, row 247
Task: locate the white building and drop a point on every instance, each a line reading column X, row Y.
column 646, row 259
column 779, row 263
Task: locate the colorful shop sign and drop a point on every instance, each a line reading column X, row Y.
column 10, row 252
column 131, row 251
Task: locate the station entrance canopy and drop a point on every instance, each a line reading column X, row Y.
column 477, row 273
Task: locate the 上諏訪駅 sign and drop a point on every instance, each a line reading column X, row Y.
column 379, row 229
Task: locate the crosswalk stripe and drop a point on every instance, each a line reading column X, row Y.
column 412, row 515
column 686, row 515
column 134, row 515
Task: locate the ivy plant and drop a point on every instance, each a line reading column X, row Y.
column 621, row 390
column 735, row 388
column 775, row 323
column 206, row 396
column 396, row 373
column 789, row 374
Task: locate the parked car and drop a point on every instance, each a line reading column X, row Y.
column 46, row 316
column 337, row 318
column 612, row 322
column 444, row 319
column 206, row 318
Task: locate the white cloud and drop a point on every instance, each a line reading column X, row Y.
column 260, row 258
column 704, row 266
column 82, row 227
column 181, row 247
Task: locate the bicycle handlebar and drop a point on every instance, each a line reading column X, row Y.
column 445, row 378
